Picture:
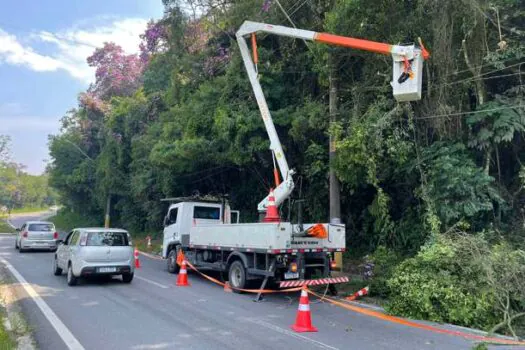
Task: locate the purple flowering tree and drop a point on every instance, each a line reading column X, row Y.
column 154, row 40
column 117, row 74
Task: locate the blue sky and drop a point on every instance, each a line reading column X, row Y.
column 43, row 50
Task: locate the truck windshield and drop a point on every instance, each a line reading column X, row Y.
column 107, row 239
column 209, row 213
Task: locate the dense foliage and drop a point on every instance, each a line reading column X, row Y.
column 181, row 118
column 19, row 189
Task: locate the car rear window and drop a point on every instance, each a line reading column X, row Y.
column 113, row 239
column 41, row 227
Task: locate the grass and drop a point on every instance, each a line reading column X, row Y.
column 5, row 228
column 5, row 340
column 66, row 220
column 140, row 242
column 25, row 210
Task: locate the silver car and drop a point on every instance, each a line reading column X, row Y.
column 36, row 235
column 90, row 252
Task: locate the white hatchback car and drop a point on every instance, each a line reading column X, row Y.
column 95, row 251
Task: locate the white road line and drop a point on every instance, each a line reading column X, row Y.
column 152, row 282
column 64, row 333
column 290, row 333
column 10, row 224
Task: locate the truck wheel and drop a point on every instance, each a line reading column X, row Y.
column 173, row 267
column 237, row 276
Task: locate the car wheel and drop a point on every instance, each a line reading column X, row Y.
column 173, row 267
column 237, row 276
column 57, row 271
column 71, row 279
column 127, row 277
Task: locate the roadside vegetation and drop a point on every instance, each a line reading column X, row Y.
column 21, row 192
column 66, row 220
column 5, row 227
column 433, row 192
column 6, row 342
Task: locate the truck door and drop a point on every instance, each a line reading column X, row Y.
column 171, row 228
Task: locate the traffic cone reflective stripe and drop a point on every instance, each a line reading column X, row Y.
column 359, row 293
column 272, row 213
column 182, row 278
column 303, row 321
column 137, row 261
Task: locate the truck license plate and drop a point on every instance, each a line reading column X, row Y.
column 291, row 275
column 107, row 269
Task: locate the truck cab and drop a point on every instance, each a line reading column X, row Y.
column 182, row 216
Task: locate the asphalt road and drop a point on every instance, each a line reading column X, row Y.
column 153, row 313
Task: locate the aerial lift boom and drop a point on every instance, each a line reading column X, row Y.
column 407, row 73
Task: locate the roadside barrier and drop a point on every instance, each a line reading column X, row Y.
column 398, row 320
column 358, row 294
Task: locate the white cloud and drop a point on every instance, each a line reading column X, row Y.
column 12, row 52
column 72, row 46
column 9, row 124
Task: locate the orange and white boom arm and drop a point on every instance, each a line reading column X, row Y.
column 248, row 28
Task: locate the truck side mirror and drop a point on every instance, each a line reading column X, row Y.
column 166, row 220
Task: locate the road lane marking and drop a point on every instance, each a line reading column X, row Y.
column 69, row 339
column 152, row 282
column 290, row 333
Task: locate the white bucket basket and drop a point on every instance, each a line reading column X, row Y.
column 409, row 89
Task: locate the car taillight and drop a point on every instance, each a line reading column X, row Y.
column 293, row 267
column 55, row 235
column 24, row 234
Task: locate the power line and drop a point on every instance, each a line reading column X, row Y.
column 298, row 8
column 469, row 113
column 481, row 75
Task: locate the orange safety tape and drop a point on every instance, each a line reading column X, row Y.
column 262, row 291
column 151, row 256
column 408, row 323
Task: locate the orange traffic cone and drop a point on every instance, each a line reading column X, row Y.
column 227, row 287
column 272, row 213
column 358, row 294
column 182, row 277
column 137, row 261
column 303, row 321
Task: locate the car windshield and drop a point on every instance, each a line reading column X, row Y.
column 41, row 227
column 107, row 239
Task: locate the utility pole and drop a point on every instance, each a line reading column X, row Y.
column 335, row 199
column 108, row 208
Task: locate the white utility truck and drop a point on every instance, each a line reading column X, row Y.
column 290, row 254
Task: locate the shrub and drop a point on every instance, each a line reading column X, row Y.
column 462, row 279
column 382, row 264
column 438, row 285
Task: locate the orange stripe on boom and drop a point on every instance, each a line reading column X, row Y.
column 359, row 44
column 254, row 49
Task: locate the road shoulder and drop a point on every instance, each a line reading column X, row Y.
column 14, row 320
